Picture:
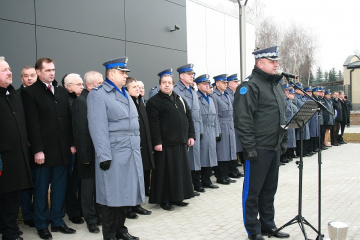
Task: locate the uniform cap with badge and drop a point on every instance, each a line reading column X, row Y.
column 202, row 78
column 328, row 92
column 186, row 68
column 117, row 63
column 291, row 91
column 165, row 72
column 271, row 53
column 221, row 77
column 298, row 85
column 316, row 89
column 233, row 77
column 308, row 89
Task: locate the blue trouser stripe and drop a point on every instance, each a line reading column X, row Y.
column 246, row 190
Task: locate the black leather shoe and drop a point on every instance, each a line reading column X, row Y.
column 130, row 214
column 256, row 237
column 93, row 228
column 140, row 210
column 30, row 223
column 63, row 229
column 110, row 238
column 20, row 233
column 181, row 204
column 213, row 186
column 196, row 194
column 167, row 206
column 126, row 236
column 277, row 235
column 199, row 189
column 223, row 181
column 77, row 220
column 44, row 233
column 234, row 175
column 230, row 180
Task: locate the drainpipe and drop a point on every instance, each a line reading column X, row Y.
column 242, row 33
column 351, row 83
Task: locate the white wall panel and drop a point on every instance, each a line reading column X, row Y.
column 232, row 46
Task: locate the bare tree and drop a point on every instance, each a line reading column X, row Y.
column 267, row 34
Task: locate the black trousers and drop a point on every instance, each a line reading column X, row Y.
column 113, row 221
column 205, row 176
column 260, row 185
column 334, row 133
column 221, row 170
column 88, row 200
column 233, row 166
column 196, row 178
column 147, row 181
column 9, row 211
column 342, row 127
column 73, row 185
column 322, row 135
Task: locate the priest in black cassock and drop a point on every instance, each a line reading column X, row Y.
column 172, row 133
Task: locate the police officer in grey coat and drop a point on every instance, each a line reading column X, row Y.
column 211, row 131
column 226, row 143
column 233, row 83
column 300, row 101
column 114, row 128
column 184, row 89
column 154, row 91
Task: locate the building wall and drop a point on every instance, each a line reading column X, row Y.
column 82, row 34
column 213, row 38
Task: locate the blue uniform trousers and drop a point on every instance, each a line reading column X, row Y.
column 43, row 177
column 260, row 185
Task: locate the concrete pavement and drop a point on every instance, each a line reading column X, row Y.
column 217, row 213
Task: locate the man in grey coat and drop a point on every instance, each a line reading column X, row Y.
column 184, row 89
column 114, row 129
column 226, row 142
column 211, row 131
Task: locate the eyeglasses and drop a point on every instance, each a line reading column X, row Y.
column 77, row 84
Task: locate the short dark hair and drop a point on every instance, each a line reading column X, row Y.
column 129, row 80
column 39, row 62
column 26, row 68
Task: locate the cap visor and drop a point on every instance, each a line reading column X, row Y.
column 274, row 58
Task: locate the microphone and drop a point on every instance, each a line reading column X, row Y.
column 289, row 75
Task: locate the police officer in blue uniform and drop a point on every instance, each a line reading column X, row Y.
column 185, row 89
column 259, row 106
column 211, row 131
column 114, row 129
column 233, row 83
column 226, row 142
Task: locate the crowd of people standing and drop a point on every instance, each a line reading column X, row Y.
column 94, row 147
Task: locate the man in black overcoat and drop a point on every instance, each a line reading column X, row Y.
column 48, row 117
column 85, row 151
column 14, row 154
column 172, row 133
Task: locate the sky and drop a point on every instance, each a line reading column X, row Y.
column 334, row 24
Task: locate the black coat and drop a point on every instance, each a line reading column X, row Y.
column 145, row 137
column 13, row 143
column 343, row 111
column 170, row 120
column 337, row 107
column 48, row 119
column 84, row 146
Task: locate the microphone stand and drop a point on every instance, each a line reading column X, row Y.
column 323, row 107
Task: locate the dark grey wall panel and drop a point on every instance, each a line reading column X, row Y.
column 149, row 22
column 103, row 18
column 75, row 52
column 19, row 10
column 145, row 62
column 17, row 44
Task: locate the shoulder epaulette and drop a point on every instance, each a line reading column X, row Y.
column 97, row 88
column 247, row 79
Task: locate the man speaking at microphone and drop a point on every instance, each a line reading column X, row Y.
column 259, row 108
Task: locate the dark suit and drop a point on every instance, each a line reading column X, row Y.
column 85, row 157
column 49, row 127
column 15, row 159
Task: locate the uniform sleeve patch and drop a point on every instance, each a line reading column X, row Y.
column 243, row 90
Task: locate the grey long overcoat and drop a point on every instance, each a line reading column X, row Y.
column 291, row 110
column 226, row 148
column 300, row 101
column 239, row 147
column 114, row 129
column 192, row 101
column 210, row 124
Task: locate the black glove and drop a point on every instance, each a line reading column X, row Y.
column 218, row 139
column 251, row 155
column 105, row 165
column 283, row 148
column 201, row 136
